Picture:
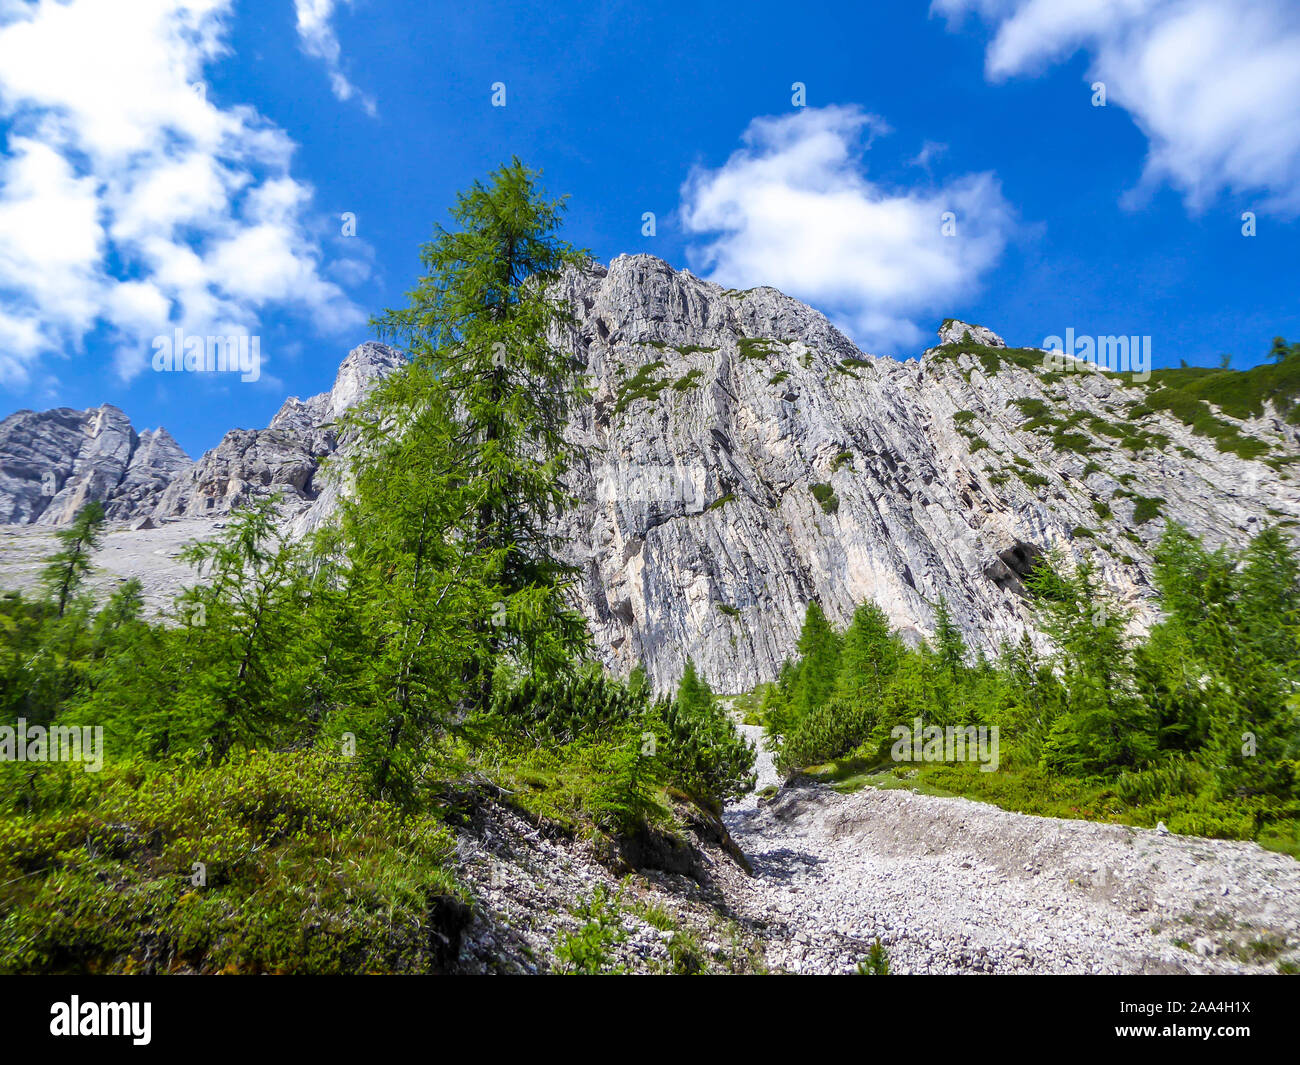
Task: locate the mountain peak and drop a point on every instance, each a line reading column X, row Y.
column 954, row 331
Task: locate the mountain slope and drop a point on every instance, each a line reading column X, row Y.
column 282, row 458
column 743, row 457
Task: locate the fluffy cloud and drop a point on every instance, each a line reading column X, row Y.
column 319, row 41
column 1214, row 84
column 131, row 203
column 794, row 209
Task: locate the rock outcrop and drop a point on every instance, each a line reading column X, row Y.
column 953, row 331
column 283, row 458
column 744, row 458
column 54, row 462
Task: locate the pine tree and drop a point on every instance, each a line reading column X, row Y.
column 401, row 599
column 237, row 675
column 708, row 754
column 819, row 666
column 69, row 566
column 484, row 330
column 638, row 682
column 870, row 654
column 948, row 642
column 445, row 573
column 1269, row 582
column 1218, row 668
column 1106, row 724
column 694, row 696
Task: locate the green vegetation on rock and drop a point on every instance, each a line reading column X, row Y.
column 644, row 384
column 825, row 495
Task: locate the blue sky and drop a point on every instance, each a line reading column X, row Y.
column 133, row 202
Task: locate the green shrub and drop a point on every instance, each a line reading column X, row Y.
column 756, row 348
column 1146, row 508
column 825, row 495
column 644, row 384
column 588, row 952
column 304, row 873
column 830, row 730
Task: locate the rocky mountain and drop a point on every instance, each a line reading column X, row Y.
column 284, row 457
column 742, row 457
column 746, row 457
column 54, row 462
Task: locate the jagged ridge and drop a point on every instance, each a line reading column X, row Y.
column 743, row 457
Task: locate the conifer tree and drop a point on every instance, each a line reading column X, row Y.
column 69, row 566
column 819, row 650
column 448, row 573
column 694, row 696
column 486, row 336
column 948, row 642
column 870, row 655
column 237, row 676
column 1106, row 724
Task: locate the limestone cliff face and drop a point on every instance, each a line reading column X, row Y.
column 742, row 457
column 745, row 458
column 54, row 462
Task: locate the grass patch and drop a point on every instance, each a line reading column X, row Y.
column 1031, row 407
column 1075, row 443
column 991, row 360
column 1239, row 394
column 756, row 348
column 1146, row 508
column 1185, row 405
column 304, row 874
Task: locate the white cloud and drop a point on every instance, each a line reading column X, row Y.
column 129, row 201
column 794, row 209
column 1213, row 84
column 51, row 241
column 319, row 41
column 930, row 151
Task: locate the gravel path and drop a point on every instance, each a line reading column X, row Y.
column 950, row 885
